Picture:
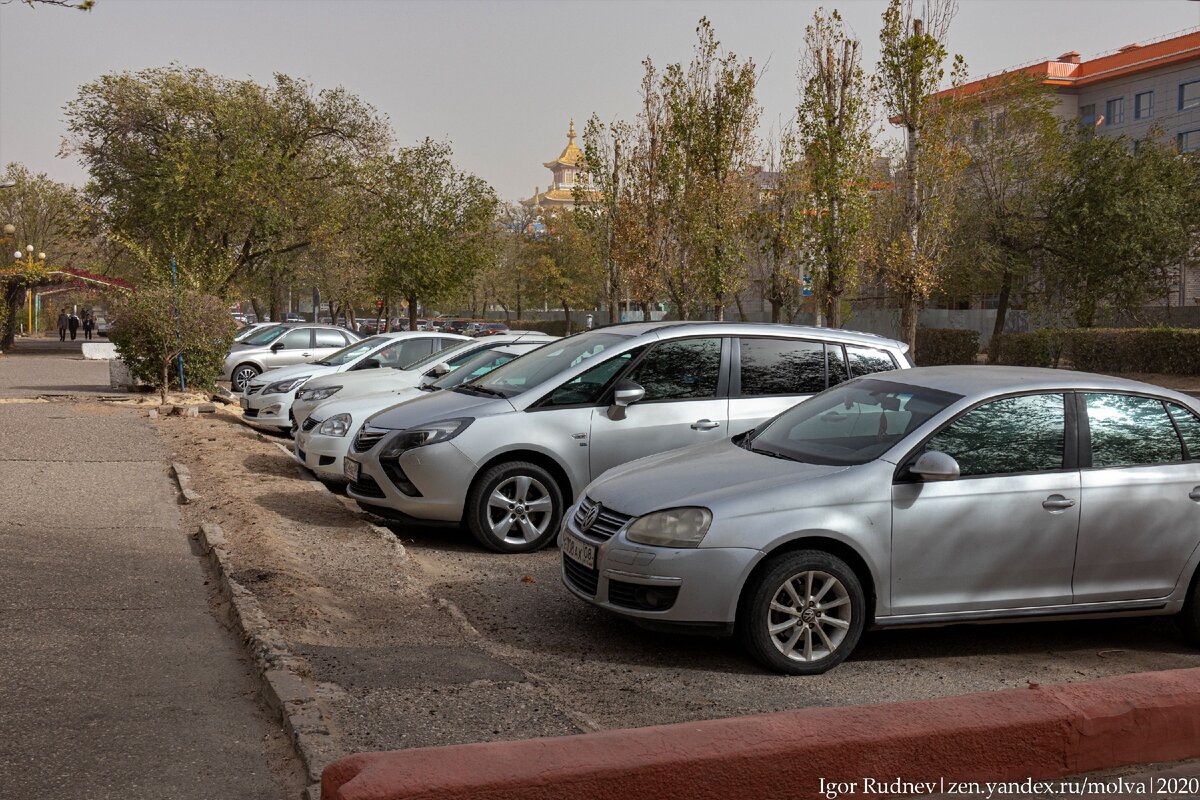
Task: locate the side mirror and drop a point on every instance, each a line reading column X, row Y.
column 933, row 465
column 275, row 348
column 625, row 393
column 438, row 370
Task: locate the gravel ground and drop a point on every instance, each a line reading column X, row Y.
column 448, row 644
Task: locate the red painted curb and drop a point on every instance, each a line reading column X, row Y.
column 1039, row 732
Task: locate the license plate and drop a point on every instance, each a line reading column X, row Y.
column 244, row 402
column 579, row 551
column 350, row 468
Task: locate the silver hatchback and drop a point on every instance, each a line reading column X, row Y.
column 934, row 496
column 281, row 346
column 507, row 453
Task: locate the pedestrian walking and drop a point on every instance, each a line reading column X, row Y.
column 62, row 325
column 89, row 322
column 73, row 325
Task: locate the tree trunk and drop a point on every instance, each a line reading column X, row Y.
column 412, row 313
column 909, row 311
column 258, row 313
column 646, row 315
column 737, row 299
column 833, row 311
column 567, row 315
column 166, row 367
column 1001, row 316
column 350, row 320
column 12, row 313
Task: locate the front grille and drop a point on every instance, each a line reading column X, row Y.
column 309, row 424
column 640, row 597
column 254, row 388
column 582, row 578
column 250, row 412
column 367, row 487
column 368, row 437
column 607, row 522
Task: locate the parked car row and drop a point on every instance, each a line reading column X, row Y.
column 788, row 485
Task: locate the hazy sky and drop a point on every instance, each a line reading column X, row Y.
column 499, row 79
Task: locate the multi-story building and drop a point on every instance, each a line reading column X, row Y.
column 568, row 170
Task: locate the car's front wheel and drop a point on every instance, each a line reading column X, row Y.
column 803, row 613
column 242, row 375
column 514, row 508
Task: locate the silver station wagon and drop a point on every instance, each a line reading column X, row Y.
column 928, row 497
column 508, row 452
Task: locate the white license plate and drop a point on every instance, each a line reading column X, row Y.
column 350, row 468
column 579, row 551
column 244, row 402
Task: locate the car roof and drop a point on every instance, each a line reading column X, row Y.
column 979, row 379
column 419, row 335
column 699, row 327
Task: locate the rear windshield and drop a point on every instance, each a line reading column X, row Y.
column 852, row 423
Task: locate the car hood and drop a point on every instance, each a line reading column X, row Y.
column 294, row 371
column 360, row 407
column 436, row 406
column 702, row 475
column 361, row 381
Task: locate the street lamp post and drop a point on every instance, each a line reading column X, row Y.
column 29, row 264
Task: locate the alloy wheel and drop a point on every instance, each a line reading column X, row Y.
column 242, row 377
column 519, row 510
column 809, row 616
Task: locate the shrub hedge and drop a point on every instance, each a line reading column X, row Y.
column 1169, row 351
column 938, row 346
column 554, row 327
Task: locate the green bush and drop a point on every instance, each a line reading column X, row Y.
column 1169, row 351
column 554, row 327
column 149, row 340
column 938, row 346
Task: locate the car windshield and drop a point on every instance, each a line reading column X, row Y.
column 266, row 335
column 523, row 374
column 852, row 423
column 353, row 351
column 476, row 366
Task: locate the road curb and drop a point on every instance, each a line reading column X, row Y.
column 183, row 477
column 282, row 688
column 1041, row 732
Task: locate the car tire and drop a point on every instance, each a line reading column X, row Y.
column 1188, row 619
column 242, row 374
column 787, row 620
column 514, row 508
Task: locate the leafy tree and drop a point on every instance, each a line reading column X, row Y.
column 774, row 229
column 430, row 229
column 570, row 263
column 1122, row 224
column 150, row 337
column 834, row 130
column 227, row 175
column 911, row 68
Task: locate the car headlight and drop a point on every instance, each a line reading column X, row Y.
column 402, row 441
column 337, row 425
column 283, row 387
column 674, row 527
column 320, row 393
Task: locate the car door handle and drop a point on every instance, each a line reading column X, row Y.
column 705, row 425
column 1056, row 502
column 305, row 355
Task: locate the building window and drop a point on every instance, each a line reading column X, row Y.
column 1189, row 95
column 1087, row 115
column 1143, row 105
column 1189, row 141
column 1114, row 111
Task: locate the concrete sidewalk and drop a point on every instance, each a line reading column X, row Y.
column 116, row 678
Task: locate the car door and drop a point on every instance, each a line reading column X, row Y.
column 1141, row 497
column 1003, row 534
column 772, row 374
column 685, row 403
column 294, row 347
column 327, row 341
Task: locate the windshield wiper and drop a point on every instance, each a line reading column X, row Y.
column 772, row 453
column 470, row 388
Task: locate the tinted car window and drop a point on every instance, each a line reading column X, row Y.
column 781, row 366
column 413, row 350
column 836, row 363
column 1189, row 428
column 868, row 360
column 297, row 339
column 682, row 370
column 328, row 338
column 1016, row 434
column 1129, row 430
column 587, row 387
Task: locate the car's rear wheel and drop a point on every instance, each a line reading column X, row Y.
column 514, row 508
column 242, row 375
column 803, row 613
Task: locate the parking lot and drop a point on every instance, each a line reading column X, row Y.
column 440, row 642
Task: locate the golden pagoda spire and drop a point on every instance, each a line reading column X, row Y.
column 571, row 132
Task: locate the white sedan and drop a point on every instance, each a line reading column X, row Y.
column 324, row 436
column 267, row 400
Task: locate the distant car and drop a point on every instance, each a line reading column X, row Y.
column 294, row 318
column 102, row 326
column 931, row 496
column 279, row 346
column 489, row 329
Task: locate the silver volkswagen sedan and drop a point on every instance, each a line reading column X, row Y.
column 929, row 497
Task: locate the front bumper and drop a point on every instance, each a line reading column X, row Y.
column 687, row 586
column 322, row 454
column 440, row 472
column 270, row 411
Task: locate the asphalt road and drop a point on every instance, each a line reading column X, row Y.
column 116, row 678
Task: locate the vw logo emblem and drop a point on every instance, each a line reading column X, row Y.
column 589, row 517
